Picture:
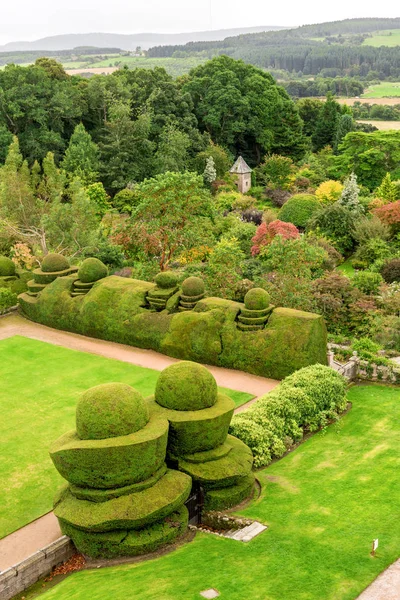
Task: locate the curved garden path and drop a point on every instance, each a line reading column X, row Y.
column 36, row 535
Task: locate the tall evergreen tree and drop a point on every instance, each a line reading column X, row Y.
column 387, row 190
column 327, row 124
column 350, row 194
column 82, row 156
column 345, row 125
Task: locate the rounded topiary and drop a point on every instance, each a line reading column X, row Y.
column 193, row 286
column 166, row 279
column 299, row 209
column 257, row 299
column 53, row 263
column 186, row 386
column 91, row 270
column 7, row 267
column 110, row 410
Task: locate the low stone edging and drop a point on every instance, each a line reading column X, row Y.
column 8, row 311
column 19, row 577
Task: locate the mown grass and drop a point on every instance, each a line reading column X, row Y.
column 40, row 385
column 389, row 37
column 346, row 268
column 381, row 90
column 324, row 504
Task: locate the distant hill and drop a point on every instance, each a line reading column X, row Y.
column 130, row 41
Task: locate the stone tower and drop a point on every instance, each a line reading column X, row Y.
column 243, row 172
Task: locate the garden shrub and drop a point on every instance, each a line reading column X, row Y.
column 91, row 270
column 166, row 279
column 7, row 299
column 186, row 386
column 110, row 410
column 329, row 191
column 193, row 286
column 366, row 348
column 373, row 250
column 391, row 270
column 307, row 399
column 336, row 223
column 367, row 282
column 257, row 299
column 267, row 232
column 299, row 209
column 7, row 267
column 52, row 263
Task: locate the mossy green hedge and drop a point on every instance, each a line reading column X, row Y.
column 129, row 543
column 223, row 498
column 116, row 309
column 132, row 511
column 53, row 263
column 198, row 430
column 186, row 386
column 112, row 462
column 7, row 267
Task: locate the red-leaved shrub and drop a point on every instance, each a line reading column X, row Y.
column 266, row 233
column 389, row 213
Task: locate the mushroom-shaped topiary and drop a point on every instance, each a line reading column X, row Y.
column 91, row 270
column 53, row 263
column 186, row 386
column 166, row 279
column 257, row 299
column 110, row 410
column 7, row 267
column 193, row 286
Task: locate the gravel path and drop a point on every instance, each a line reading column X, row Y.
column 36, row 535
column 386, row 586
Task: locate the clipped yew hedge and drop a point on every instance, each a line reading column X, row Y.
column 304, row 401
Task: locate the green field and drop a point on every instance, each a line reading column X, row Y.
column 383, row 90
column 389, row 37
column 324, row 503
column 40, row 385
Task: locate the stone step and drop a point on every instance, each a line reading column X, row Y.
column 248, row 533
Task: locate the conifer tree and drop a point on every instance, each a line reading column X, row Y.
column 327, row 124
column 387, row 190
column 82, row 156
column 210, row 173
column 350, row 194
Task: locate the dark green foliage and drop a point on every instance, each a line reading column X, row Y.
column 299, row 209
column 198, row 430
column 223, row 498
column 7, row 299
column 391, row 270
column 129, row 543
column 7, row 267
column 367, row 282
column 193, row 286
column 305, row 400
column 166, row 279
column 186, row 386
column 113, row 462
column 132, row 511
column 53, row 263
column 327, row 124
column 92, row 269
column 110, row 410
column 257, row 299
column 336, row 223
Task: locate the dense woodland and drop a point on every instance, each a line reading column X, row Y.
column 134, row 169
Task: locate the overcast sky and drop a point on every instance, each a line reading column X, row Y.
column 33, row 19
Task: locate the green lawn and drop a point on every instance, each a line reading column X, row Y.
column 389, row 37
column 346, row 268
column 324, row 504
column 40, row 384
column 383, row 90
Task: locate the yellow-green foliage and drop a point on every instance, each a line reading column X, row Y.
column 257, row 299
column 112, row 462
column 197, row 430
column 193, row 287
column 91, row 270
column 116, row 309
column 329, row 191
column 166, row 279
column 110, row 410
column 7, row 267
column 129, row 543
column 132, row 511
column 52, row 263
column 186, row 386
column 223, row 498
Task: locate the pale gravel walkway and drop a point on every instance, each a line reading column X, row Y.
column 386, row 586
column 38, row 534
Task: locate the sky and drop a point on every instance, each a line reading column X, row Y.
column 33, row 19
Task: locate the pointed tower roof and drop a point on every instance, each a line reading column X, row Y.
column 240, row 167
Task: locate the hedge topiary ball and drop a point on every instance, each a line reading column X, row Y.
column 166, row 279
column 193, row 286
column 91, row 270
column 110, row 410
column 7, row 267
column 52, row 263
column 256, row 299
column 186, row 386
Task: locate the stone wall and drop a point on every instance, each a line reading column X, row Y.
column 18, row 578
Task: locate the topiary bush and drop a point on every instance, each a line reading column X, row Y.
column 391, row 270
column 257, row 299
column 193, row 286
column 110, row 410
column 166, row 279
column 53, row 263
column 91, row 270
column 299, row 209
column 186, row 386
column 306, row 400
column 7, row 267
